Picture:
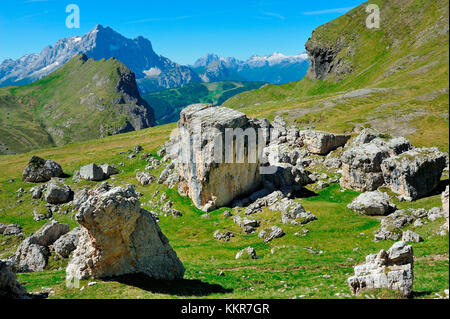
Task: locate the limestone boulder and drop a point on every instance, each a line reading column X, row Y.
column 392, row 269
column 207, row 177
column 40, row 170
column 109, row 170
column 271, row 233
column 145, row 178
column 373, row 203
column 322, row 143
column 410, row 236
column 32, row 254
column 292, row 213
column 415, row 173
column 66, row 243
column 57, row 192
column 117, row 237
column 247, row 253
column 92, row 172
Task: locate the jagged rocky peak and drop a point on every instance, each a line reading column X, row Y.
column 100, row 43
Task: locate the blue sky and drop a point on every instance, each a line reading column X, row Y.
column 181, row 30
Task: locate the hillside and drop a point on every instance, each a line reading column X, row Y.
column 168, row 103
column 82, row 100
column 394, row 79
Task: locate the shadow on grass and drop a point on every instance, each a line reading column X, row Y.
column 182, row 287
column 419, row 294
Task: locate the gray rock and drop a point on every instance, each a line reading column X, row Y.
column 32, row 254
column 410, row 236
column 271, row 233
column 372, row 203
column 322, row 143
column 445, row 208
column 145, row 178
column 57, row 192
column 386, row 270
column 247, row 225
column 66, row 243
column 223, row 235
column 415, row 173
column 292, row 212
column 92, row 172
column 334, row 163
column 11, row 230
column 38, row 217
column 117, row 237
column 10, row 288
column 36, row 192
column 435, row 213
column 265, row 201
column 40, row 170
column 109, row 170
column 247, row 253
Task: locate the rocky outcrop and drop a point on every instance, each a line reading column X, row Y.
column 391, row 226
column 40, row 170
column 207, row 177
column 373, row 203
column 361, row 167
column 222, row 235
column 410, row 236
column 32, row 254
column 247, row 253
column 271, row 233
column 145, row 178
column 10, row 288
column 117, row 237
column 58, row 192
column 292, row 213
column 92, row 172
column 415, row 173
column 322, row 143
column 362, row 160
column 66, row 243
column 392, row 269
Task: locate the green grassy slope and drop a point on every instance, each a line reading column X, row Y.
column 168, row 103
column 288, row 271
column 79, row 101
column 408, row 56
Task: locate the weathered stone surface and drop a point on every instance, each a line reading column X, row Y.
column 66, row 243
column 391, row 225
column 11, row 230
column 92, row 172
column 247, row 253
column 222, row 235
column 262, row 202
column 361, row 167
column 10, row 288
column 145, row 178
column 57, row 192
column 392, row 269
column 40, row 170
column 36, row 192
column 271, row 233
column 373, row 203
column 117, row 237
column 209, row 182
column 109, row 170
column 32, row 254
column 247, row 225
column 292, row 212
column 410, row 236
column 415, row 173
column 322, row 143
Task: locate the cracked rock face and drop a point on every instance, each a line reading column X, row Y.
column 32, row 254
column 415, row 173
column 211, row 183
column 40, row 170
column 372, row 203
column 117, row 237
column 322, row 143
column 392, row 269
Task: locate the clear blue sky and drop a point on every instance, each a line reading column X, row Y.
column 182, row 30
